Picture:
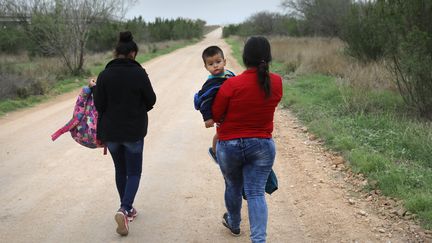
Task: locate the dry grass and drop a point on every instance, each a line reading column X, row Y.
column 22, row 76
column 327, row 56
column 102, row 57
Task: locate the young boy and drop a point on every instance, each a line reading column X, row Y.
column 214, row 62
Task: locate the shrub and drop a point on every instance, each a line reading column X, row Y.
column 399, row 31
column 413, row 68
column 364, row 32
column 264, row 23
column 12, row 39
column 103, row 36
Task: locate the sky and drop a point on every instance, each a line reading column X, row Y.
column 219, row 12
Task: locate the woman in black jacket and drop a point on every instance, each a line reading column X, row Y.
column 123, row 96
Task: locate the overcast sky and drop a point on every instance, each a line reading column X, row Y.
column 213, row 12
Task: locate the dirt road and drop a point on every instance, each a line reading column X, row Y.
column 62, row 192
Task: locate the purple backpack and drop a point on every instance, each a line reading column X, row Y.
column 83, row 124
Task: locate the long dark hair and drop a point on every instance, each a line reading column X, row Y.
column 257, row 53
column 125, row 44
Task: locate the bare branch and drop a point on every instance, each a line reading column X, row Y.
column 61, row 27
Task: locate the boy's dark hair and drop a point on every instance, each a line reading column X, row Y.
column 211, row 51
column 257, row 53
column 125, row 44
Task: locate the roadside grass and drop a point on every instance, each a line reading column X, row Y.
column 236, row 48
column 393, row 150
column 96, row 65
column 370, row 126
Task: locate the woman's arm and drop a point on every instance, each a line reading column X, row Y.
column 148, row 93
column 220, row 104
column 99, row 96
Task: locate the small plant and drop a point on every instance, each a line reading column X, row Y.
column 22, row 92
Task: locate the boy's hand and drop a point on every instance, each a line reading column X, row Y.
column 209, row 123
column 92, row 82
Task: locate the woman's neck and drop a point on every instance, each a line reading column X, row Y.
column 121, row 56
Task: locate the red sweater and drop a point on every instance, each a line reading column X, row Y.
column 242, row 109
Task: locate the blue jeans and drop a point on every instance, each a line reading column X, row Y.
column 247, row 162
column 127, row 157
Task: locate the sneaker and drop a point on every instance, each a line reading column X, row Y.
column 131, row 215
column 212, row 155
column 235, row 232
column 122, row 222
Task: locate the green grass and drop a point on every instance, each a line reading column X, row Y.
column 390, row 148
column 237, row 49
column 71, row 83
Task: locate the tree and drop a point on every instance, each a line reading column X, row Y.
column 323, row 17
column 410, row 49
column 62, row 27
column 365, row 32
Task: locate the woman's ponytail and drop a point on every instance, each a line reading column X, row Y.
column 257, row 53
column 264, row 77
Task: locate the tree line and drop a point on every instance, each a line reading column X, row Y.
column 399, row 32
column 69, row 29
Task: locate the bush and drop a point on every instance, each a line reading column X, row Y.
column 364, row 32
column 103, row 36
column 410, row 48
column 264, row 23
column 12, row 39
column 399, row 31
column 319, row 17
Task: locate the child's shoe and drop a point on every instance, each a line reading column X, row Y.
column 212, row 154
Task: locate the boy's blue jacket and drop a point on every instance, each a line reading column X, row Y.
column 203, row 100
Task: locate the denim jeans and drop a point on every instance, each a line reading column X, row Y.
column 247, row 162
column 127, row 157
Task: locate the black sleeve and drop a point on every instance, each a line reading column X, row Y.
column 99, row 95
column 148, row 93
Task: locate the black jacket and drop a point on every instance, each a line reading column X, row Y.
column 123, row 96
column 203, row 99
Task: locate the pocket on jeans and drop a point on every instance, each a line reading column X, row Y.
column 266, row 153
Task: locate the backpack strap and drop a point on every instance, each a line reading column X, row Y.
column 66, row 128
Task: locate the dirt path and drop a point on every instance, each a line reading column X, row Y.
column 62, row 192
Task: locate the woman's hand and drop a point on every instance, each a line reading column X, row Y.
column 209, row 123
column 92, row 82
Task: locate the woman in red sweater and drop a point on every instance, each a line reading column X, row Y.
column 244, row 107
